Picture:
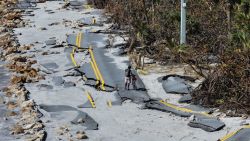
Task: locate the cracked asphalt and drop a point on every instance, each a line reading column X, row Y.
column 54, row 32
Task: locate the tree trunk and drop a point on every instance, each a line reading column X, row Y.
column 131, row 46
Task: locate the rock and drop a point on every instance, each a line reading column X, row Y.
column 66, row 5
column 47, row 121
column 11, row 133
column 31, row 73
column 50, row 42
column 73, row 73
column 29, row 103
column 81, row 135
column 11, row 113
column 29, row 126
column 176, row 85
column 191, row 118
column 50, row 66
column 69, row 84
column 58, row 80
column 66, row 130
column 53, row 52
column 42, row 28
column 18, row 79
column 17, row 129
column 22, row 59
column 11, row 16
column 80, row 120
column 55, row 23
column 207, row 123
column 39, row 136
column 62, row 130
column 186, row 99
column 80, row 132
column 231, row 113
column 3, row 29
column 244, row 116
column 41, row 1
column 75, row 3
column 17, row 21
column 24, row 48
column 11, row 105
column 38, row 126
column 44, row 87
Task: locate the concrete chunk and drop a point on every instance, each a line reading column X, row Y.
column 58, row 80
column 185, row 99
column 176, row 85
column 207, row 124
column 242, row 135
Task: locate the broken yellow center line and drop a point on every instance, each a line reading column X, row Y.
column 228, row 136
column 92, row 65
column 109, row 103
column 183, row 109
column 73, row 59
column 95, row 68
column 91, row 100
column 78, row 44
column 72, row 56
column 79, row 40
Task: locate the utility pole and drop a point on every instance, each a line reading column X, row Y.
column 183, row 22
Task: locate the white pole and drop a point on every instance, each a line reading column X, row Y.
column 183, row 22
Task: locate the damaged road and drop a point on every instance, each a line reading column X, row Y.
column 82, row 118
column 103, row 70
column 74, row 60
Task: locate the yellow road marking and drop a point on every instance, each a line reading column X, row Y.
column 72, row 55
column 74, row 50
column 183, row 109
column 228, row 136
column 73, row 59
column 96, row 68
column 109, row 103
column 91, row 100
column 93, row 62
column 81, row 35
column 79, row 40
column 92, row 65
column 78, row 44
